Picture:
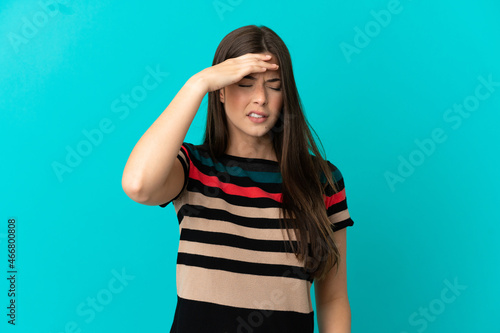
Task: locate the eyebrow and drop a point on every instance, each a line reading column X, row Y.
column 250, row 77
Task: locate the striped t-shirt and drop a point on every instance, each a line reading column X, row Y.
column 234, row 271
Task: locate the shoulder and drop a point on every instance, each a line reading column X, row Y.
column 336, row 174
column 333, row 169
column 195, row 151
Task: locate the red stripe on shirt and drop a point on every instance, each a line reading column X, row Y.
column 336, row 198
column 248, row 192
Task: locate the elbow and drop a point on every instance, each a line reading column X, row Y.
column 133, row 188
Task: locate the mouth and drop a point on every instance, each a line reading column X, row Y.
column 257, row 115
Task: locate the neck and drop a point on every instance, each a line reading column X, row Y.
column 259, row 148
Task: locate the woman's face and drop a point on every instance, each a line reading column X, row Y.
column 258, row 92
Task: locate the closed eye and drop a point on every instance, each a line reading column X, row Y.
column 249, row 85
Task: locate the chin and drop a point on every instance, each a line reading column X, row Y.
column 263, row 135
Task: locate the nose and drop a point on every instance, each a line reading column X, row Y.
column 259, row 95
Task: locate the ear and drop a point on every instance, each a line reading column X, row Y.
column 221, row 95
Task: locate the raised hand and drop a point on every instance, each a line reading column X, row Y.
column 234, row 69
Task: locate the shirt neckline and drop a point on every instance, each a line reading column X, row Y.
column 250, row 160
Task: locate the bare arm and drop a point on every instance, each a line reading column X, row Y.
column 149, row 166
column 153, row 175
column 332, row 304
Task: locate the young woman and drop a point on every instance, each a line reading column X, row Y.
column 262, row 215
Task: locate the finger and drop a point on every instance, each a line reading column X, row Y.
column 258, row 56
column 264, row 68
column 260, row 62
column 268, row 65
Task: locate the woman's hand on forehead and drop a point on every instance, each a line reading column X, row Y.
column 233, row 70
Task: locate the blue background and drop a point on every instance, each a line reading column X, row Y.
column 437, row 224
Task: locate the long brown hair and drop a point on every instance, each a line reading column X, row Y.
column 303, row 207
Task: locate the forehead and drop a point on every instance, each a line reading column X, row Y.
column 273, row 59
column 268, row 74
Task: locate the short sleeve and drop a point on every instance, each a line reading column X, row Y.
column 183, row 157
column 336, row 201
